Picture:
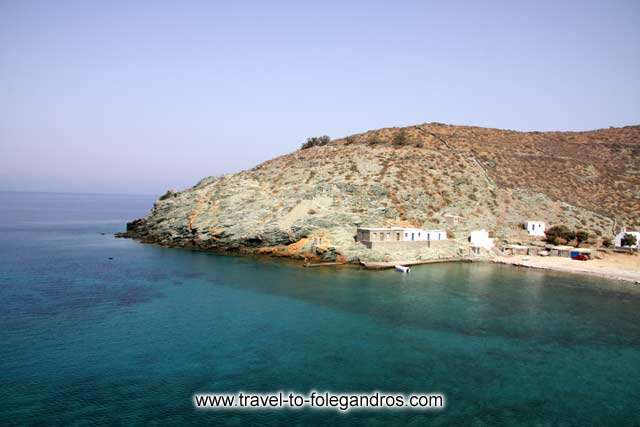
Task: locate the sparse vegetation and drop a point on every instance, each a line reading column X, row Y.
column 316, row 141
column 375, row 140
column 380, row 177
column 628, row 240
column 401, row 138
column 560, row 234
column 168, row 194
column 581, row 236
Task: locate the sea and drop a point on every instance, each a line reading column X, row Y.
column 96, row 330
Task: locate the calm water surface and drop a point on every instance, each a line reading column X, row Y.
column 85, row 339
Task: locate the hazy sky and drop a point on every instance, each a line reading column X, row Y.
column 142, row 96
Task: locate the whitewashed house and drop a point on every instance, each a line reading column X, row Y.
column 620, row 235
column 535, row 228
column 481, row 239
column 423, row 235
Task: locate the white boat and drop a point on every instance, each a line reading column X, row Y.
column 402, row 269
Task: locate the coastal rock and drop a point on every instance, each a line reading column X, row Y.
column 310, row 202
column 136, row 228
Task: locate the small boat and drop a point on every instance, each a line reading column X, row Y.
column 402, row 269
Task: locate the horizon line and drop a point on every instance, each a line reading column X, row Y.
column 78, row 193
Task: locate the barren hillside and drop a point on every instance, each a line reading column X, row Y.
column 309, row 203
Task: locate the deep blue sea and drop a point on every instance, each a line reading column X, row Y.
column 102, row 331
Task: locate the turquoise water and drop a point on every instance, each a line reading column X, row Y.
column 87, row 340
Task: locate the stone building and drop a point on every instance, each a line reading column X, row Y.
column 398, row 237
column 453, row 220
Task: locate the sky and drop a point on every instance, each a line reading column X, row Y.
column 139, row 97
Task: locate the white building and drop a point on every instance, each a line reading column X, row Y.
column 535, row 228
column 423, row 235
column 620, row 235
column 481, row 239
column 399, row 234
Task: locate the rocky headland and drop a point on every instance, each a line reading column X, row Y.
column 308, row 204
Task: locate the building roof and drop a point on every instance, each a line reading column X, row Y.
column 560, row 248
column 380, row 228
column 400, row 229
column 517, row 247
column 482, row 230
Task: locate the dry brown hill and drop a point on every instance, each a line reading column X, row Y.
column 311, row 201
column 598, row 170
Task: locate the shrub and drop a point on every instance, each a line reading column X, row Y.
column 606, row 242
column 401, row 138
column 168, row 194
column 581, row 236
column 561, row 232
column 557, row 241
column 316, row 141
column 375, row 140
column 350, row 140
column 628, row 240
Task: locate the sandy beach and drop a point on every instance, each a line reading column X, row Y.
column 612, row 266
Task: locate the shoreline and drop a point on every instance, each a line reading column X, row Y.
column 606, row 272
column 601, row 269
column 381, row 265
column 594, row 268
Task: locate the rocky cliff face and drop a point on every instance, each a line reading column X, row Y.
column 309, row 203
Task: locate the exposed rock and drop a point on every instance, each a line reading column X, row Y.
column 307, row 204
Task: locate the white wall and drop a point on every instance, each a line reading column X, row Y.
column 535, row 228
column 423, row 235
column 481, row 238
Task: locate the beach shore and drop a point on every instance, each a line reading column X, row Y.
column 612, row 266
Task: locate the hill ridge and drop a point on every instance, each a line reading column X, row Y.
column 495, row 179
